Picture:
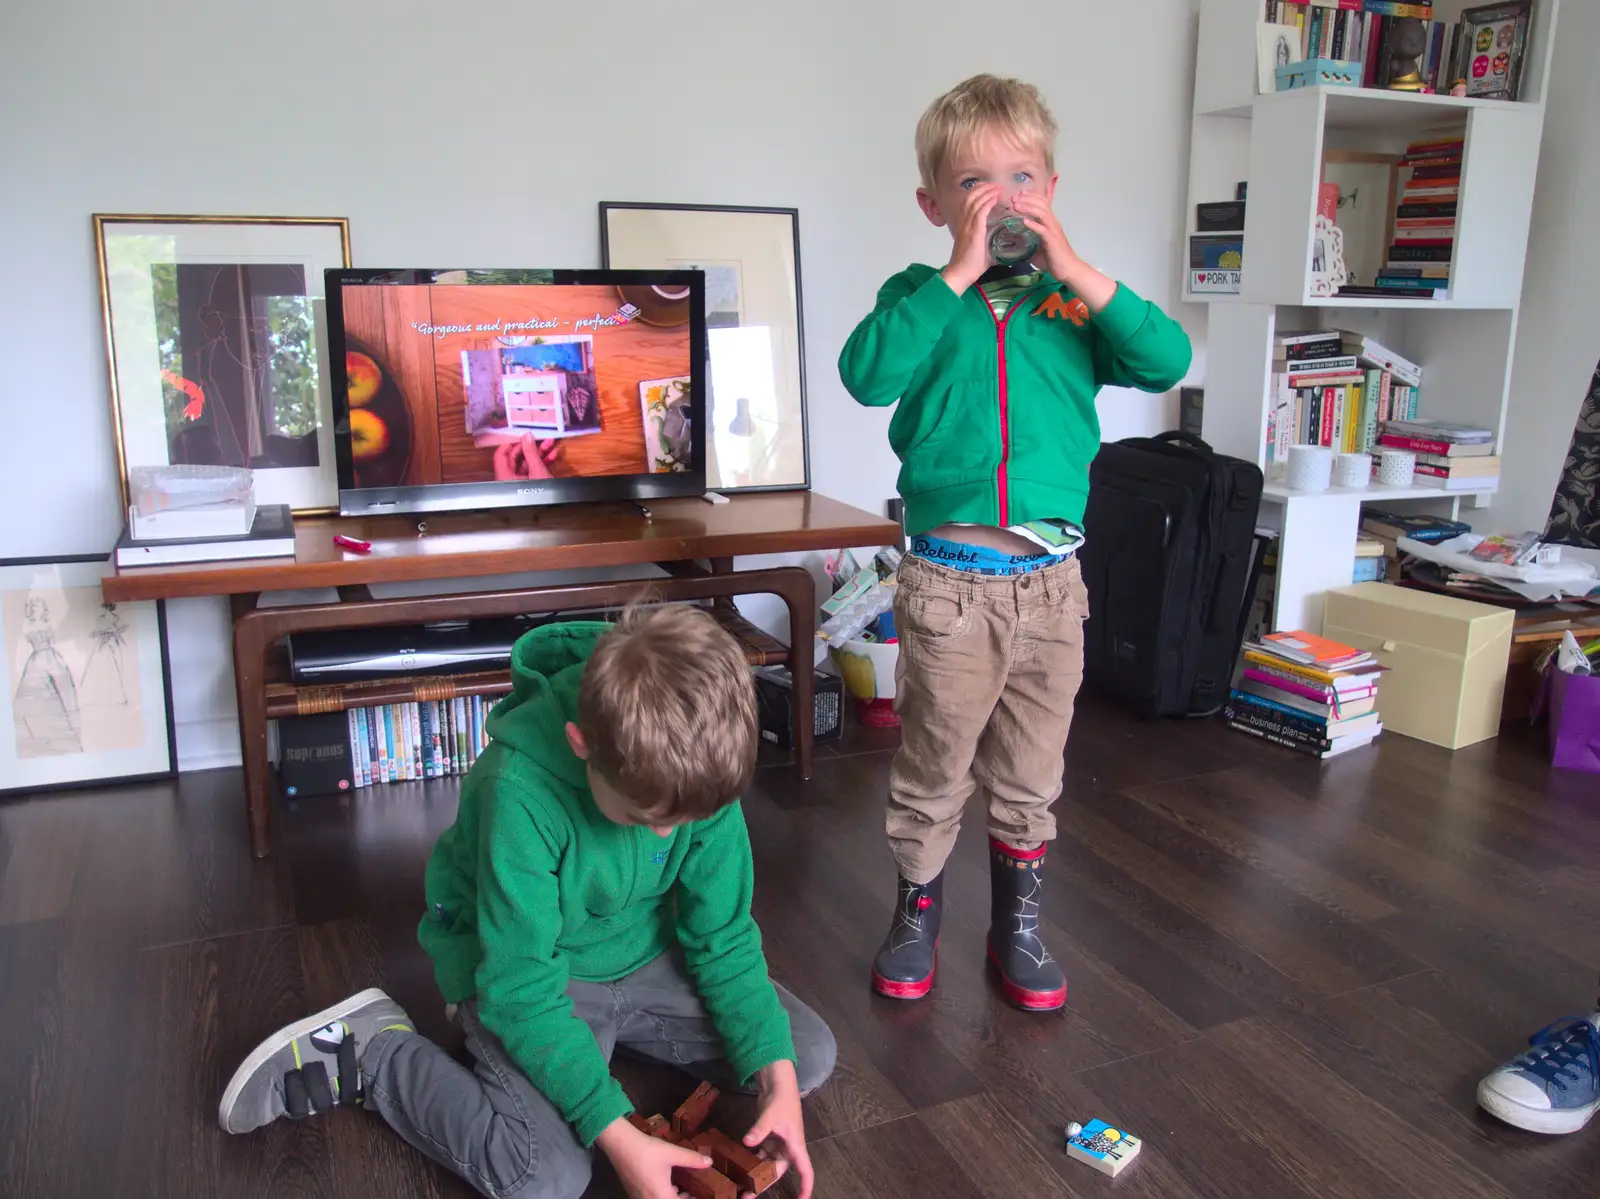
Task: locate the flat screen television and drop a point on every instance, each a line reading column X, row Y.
column 468, row 389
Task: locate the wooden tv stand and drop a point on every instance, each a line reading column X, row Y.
column 692, row 541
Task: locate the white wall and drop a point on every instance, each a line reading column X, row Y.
column 484, row 133
column 1558, row 340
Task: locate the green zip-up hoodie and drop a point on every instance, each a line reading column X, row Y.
column 533, row 887
column 996, row 423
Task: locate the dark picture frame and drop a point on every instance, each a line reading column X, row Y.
column 57, row 681
column 1491, row 49
column 752, row 258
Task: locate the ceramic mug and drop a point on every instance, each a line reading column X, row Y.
column 1397, row 468
column 1353, row 470
column 1310, row 468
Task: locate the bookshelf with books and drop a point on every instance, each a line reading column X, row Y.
column 1445, row 279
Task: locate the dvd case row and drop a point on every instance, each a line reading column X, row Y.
column 423, row 740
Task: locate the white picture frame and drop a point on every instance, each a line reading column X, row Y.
column 1276, row 46
column 1328, row 273
column 756, row 438
column 216, row 345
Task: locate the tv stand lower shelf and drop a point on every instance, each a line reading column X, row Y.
column 693, row 543
column 286, row 699
column 257, row 631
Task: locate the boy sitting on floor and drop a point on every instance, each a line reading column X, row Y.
column 594, row 892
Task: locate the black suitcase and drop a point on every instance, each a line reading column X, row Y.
column 1170, row 562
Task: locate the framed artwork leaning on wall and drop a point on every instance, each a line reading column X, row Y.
column 756, row 400
column 86, row 696
column 215, row 346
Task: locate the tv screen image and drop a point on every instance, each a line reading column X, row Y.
column 475, row 389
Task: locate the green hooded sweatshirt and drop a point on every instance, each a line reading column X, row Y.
column 533, row 887
column 996, row 423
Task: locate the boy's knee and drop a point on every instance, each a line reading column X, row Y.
column 533, row 1159
column 568, row 1177
column 561, row 1170
column 815, row 1049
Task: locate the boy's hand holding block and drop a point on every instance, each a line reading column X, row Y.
column 737, row 1170
column 752, row 1172
column 697, row 1184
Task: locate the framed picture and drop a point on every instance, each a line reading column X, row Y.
column 217, row 350
column 1368, row 185
column 1490, row 49
column 1276, row 46
column 86, row 696
column 756, row 398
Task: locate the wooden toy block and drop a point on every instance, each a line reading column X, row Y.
column 752, row 1172
column 704, row 1184
column 1105, row 1148
column 694, row 1111
column 653, row 1126
column 697, row 1184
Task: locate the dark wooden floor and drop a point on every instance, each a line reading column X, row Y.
column 1288, row 978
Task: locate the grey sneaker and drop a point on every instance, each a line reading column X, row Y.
column 309, row 1067
column 1555, row 1086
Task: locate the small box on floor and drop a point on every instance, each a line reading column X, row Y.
column 774, row 696
column 1099, row 1145
column 314, row 754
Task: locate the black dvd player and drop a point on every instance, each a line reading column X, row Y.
column 446, row 647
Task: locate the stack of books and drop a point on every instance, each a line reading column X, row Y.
column 1371, row 561
column 195, row 535
column 426, row 740
column 1455, row 457
column 1418, row 266
column 1306, row 693
column 1336, row 388
column 199, row 514
column 1386, row 528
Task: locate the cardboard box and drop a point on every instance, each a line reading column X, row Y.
column 1447, row 658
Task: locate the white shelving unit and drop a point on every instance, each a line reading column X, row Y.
column 1465, row 344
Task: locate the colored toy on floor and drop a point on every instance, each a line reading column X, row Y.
column 736, row 1170
column 1099, row 1145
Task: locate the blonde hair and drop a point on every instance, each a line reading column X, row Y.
column 956, row 119
column 667, row 708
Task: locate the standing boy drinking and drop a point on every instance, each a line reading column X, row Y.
column 995, row 369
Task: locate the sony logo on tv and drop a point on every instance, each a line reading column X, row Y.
column 528, row 490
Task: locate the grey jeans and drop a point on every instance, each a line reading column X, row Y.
column 490, row 1124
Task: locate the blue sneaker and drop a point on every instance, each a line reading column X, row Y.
column 1555, row 1086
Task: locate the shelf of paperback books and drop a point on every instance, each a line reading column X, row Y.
column 1235, row 62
